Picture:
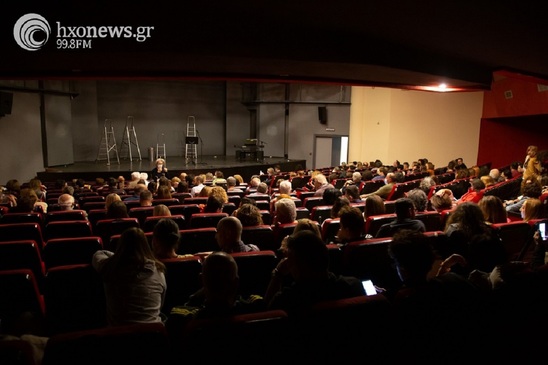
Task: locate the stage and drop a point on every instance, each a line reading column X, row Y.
column 229, row 165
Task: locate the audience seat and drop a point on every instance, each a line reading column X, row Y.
column 67, row 229
column 74, row 299
column 516, row 237
column 95, row 215
column 262, row 236
column 22, row 307
column 65, row 215
column 150, row 222
column 141, row 213
column 88, row 206
column 70, row 250
column 204, row 220
column 431, row 220
column 329, row 229
column 302, row 212
column 22, row 231
column 23, row 254
column 181, row 197
column 196, row 200
column 229, row 208
column 143, row 343
column 185, row 210
column 369, row 259
column 371, row 186
column 319, row 213
column 255, row 270
column 198, row 240
column 33, row 217
column 312, row 202
column 166, row 202
column 183, row 278
column 374, row 222
column 106, row 228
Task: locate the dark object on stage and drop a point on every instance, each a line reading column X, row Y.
column 6, row 100
column 251, row 151
column 251, row 142
column 191, row 140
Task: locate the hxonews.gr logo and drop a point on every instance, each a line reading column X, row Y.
column 31, row 31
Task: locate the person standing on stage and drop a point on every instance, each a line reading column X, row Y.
column 160, row 170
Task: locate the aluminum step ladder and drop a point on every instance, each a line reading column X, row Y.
column 191, row 141
column 161, row 146
column 107, row 144
column 128, row 142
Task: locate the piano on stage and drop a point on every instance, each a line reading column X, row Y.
column 251, row 150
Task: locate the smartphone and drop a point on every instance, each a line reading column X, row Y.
column 369, row 287
column 542, row 229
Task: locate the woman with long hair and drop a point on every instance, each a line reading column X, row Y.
column 133, row 278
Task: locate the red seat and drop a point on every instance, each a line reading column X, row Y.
column 374, row 222
column 33, row 217
column 88, row 206
column 516, row 238
column 166, row 202
column 22, row 231
column 22, row 306
column 262, row 236
column 65, row 215
column 320, row 213
column 204, row 220
column 141, row 213
column 330, row 227
column 24, row 254
column 150, row 222
column 254, row 270
column 183, row 278
column 70, row 251
column 185, row 210
column 74, row 299
column 66, row 229
column 198, row 240
column 432, row 220
column 106, row 228
column 312, row 201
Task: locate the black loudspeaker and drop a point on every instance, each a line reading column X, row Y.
column 6, row 99
column 322, row 114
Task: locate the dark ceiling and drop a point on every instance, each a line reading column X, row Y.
column 383, row 43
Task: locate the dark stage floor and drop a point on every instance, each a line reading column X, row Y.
column 229, row 165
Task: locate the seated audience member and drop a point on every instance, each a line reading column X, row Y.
column 262, row 188
column 229, row 236
column 427, row 183
column 111, row 198
column 530, row 190
column 419, row 199
column 284, row 190
column 28, row 202
column 117, row 210
column 39, row 188
column 307, row 263
column 219, row 192
column 145, row 198
column 137, row 190
column 330, row 195
column 174, row 183
column 112, row 187
column 134, row 280
column 161, row 210
column 474, row 194
column 487, row 180
column 493, row 209
column 303, row 224
column 380, row 173
column 443, row 199
column 239, row 179
column 65, row 202
column 374, row 205
column 338, row 205
column 352, row 193
column 198, row 185
column 424, row 305
column 231, row 185
column 217, row 298
column 249, row 215
column 321, row 184
column 214, row 204
column 496, row 175
column 460, row 164
column 152, row 187
column 163, row 192
column 183, row 187
column 405, row 219
column 205, row 192
column 384, row 190
column 165, row 240
column 532, row 208
column 7, row 198
column 285, row 211
column 351, row 225
column 253, row 184
column 68, row 189
column 135, row 177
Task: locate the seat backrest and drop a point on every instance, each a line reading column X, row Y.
column 87, row 206
column 283, row 230
column 141, row 213
column 312, row 201
column 106, row 228
column 143, row 343
column 186, row 210
column 431, row 220
column 22, row 231
column 23, row 254
column 302, row 212
column 262, row 236
column 65, row 215
column 320, row 213
column 181, row 196
column 167, row 202
column 21, row 303
column 196, row 200
column 374, row 222
column 229, row 208
column 74, row 299
column 198, row 240
column 369, row 259
column 182, row 279
column 70, row 251
column 203, row 220
column 371, row 186
column 32, row 217
column 150, row 222
column 330, row 227
column 66, row 229
column 516, row 238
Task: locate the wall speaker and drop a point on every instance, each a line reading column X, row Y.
column 6, row 99
column 322, row 114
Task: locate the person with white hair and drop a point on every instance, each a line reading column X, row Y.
column 285, row 211
column 135, row 177
column 321, row 184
